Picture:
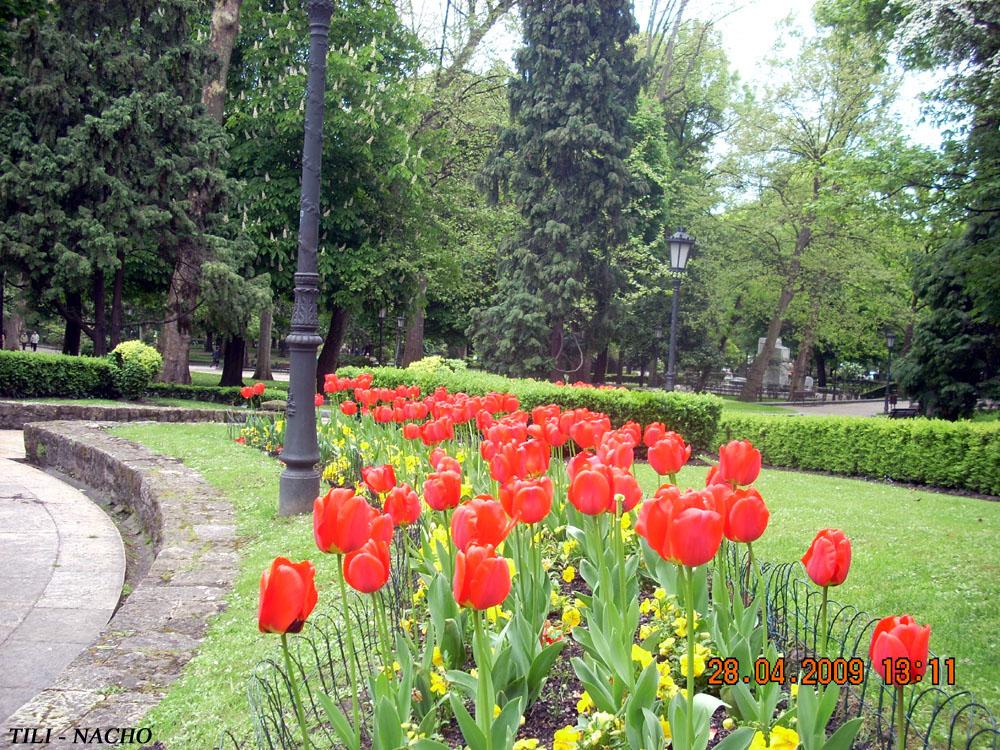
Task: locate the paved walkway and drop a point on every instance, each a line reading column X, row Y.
column 247, row 374
column 62, row 565
column 866, row 408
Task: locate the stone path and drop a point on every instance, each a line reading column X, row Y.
column 867, row 408
column 62, row 565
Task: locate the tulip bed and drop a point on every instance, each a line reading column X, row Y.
column 495, row 551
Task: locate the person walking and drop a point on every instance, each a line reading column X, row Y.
column 34, row 341
column 23, row 340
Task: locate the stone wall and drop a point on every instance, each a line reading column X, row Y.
column 142, row 650
column 15, row 414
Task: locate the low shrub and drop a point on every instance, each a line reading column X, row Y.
column 695, row 417
column 135, row 351
column 963, row 455
column 212, row 393
column 130, row 379
column 34, row 375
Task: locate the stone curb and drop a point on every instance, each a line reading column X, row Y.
column 14, row 415
column 142, row 650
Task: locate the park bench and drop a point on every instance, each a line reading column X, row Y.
column 904, row 412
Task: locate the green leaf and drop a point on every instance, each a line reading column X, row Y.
column 473, row 735
column 739, row 739
column 843, row 738
column 340, row 723
column 388, row 726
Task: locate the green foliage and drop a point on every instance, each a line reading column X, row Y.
column 927, row 451
column 136, row 351
column 696, row 417
column 214, row 394
column 130, row 378
column 564, row 161
column 434, row 364
column 33, row 375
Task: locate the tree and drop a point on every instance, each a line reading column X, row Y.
column 104, row 141
column 564, row 161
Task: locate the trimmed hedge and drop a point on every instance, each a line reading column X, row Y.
column 696, row 417
column 963, row 455
column 212, row 393
column 34, row 375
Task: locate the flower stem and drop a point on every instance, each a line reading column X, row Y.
column 689, row 580
column 900, row 718
column 351, row 653
column 484, row 711
column 759, row 595
column 296, row 698
column 823, row 623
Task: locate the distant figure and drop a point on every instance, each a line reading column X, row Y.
column 34, row 341
column 23, row 339
column 216, row 355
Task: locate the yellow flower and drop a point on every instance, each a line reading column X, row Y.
column 660, row 594
column 644, row 632
column 571, row 617
column 528, row 744
column 729, row 724
column 665, row 726
column 466, row 490
column 460, row 456
column 681, row 625
column 585, row 704
column 699, row 665
column 555, row 598
column 396, row 666
column 406, row 624
column 568, row 546
column 646, row 606
column 439, row 534
column 781, row 739
column 567, row 738
column 626, row 522
column 439, row 685
column 795, row 690
column 496, row 710
column 437, row 659
column 569, row 573
column 496, row 612
column 641, row 655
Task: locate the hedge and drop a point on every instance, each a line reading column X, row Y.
column 35, row 375
column 964, row 455
column 213, row 393
column 696, row 417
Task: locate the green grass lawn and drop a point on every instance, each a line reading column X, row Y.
column 212, row 379
column 928, row 554
column 734, row 406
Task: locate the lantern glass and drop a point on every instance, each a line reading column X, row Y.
column 680, row 250
column 890, row 340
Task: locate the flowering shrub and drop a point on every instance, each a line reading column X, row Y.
column 494, row 547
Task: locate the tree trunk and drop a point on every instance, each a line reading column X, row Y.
column 232, row 365
column 555, row 347
column 208, row 342
column 185, row 281
column 642, row 372
column 601, row 365
column 71, row 337
column 755, row 378
column 330, row 353
column 800, row 367
column 654, row 381
column 100, row 315
column 117, row 311
column 413, row 349
column 820, row 358
column 262, row 370
column 620, row 375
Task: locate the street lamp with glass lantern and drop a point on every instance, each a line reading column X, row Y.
column 680, row 251
column 890, row 344
column 299, row 483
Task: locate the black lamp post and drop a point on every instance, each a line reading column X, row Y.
column 680, row 250
column 381, row 326
column 299, row 484
column 400, row 322
column 890, row 344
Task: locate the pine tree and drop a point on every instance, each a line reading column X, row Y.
column 563, row 160
column 104, row 140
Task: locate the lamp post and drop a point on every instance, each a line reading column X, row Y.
column 400, row 322
column 680, row 250
column 299, row 484
column 381, row 326
column 890, row 344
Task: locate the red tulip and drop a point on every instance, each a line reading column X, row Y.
column 592, row 492
column 712, row 478
column 581, row 461
column 402, row 504
column 482, row 579
column 828, row 558
column 341, row 521
column 380, row 479
column 287, row 596
column 348, row 408
column 481, row 522
column 527, row 500
column 653, row 434
column 626, row 485
column 616, row 453
column 319, row 399
column 745, row 515
column 739, row 462
column 902, row 640
column 246, row 392
column 669, row 454
column 258, row 389
column 684, row 529
column 443, row 489
column 367, row 569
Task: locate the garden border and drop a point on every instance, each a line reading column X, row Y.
column 156, row 631
column 14, row 414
